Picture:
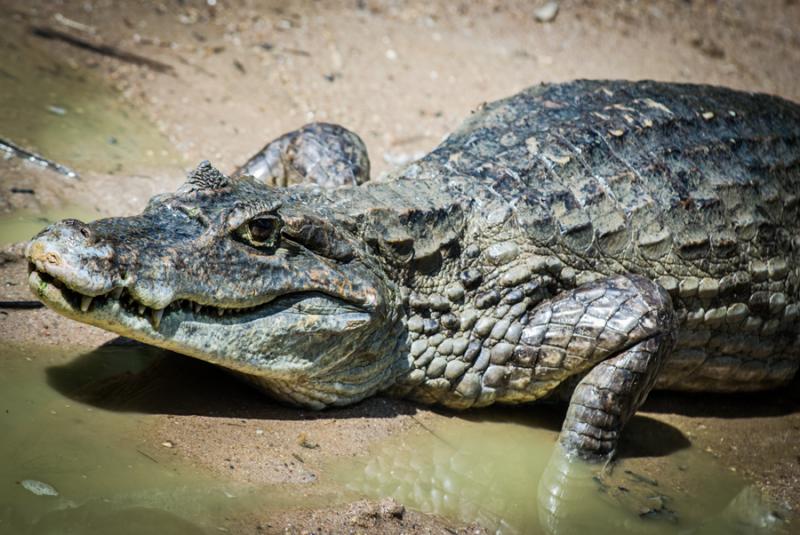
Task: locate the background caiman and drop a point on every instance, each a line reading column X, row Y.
column 591, row 239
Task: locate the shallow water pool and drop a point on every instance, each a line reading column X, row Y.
column 69, row 114
column 109, row 475
column 505, row 471
column 498, row 468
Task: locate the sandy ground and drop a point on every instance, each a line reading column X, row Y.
column 402, row 75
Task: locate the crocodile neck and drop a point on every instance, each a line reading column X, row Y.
column 464, row 276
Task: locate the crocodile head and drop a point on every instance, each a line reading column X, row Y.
column 237, row 274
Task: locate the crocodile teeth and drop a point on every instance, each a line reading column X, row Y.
column 116, row 293
column 156, row 317
column 197, row 308
column 86, row 302
column 141, row 309
column 220, row 312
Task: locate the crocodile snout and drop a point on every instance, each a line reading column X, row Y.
column 70, row 252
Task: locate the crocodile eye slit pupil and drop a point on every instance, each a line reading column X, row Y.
column 264, row 230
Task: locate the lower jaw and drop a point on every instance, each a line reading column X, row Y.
column 243, row 347
column 101, row 316
column 52, row 296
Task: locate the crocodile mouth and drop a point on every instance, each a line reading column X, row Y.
column 119, row 307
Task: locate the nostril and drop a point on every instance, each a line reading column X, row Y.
column 41, row 255
column 52, row 258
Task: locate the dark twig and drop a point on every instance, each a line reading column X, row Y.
column 38, row 159
column 148, row 456
column 432, row 432
column 105, row 50
column 21, row 305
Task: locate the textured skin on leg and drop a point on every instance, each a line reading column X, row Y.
column 629, row 322
column 327, row 155
column 607, row 397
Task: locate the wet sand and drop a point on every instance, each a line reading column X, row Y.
column 402, row 75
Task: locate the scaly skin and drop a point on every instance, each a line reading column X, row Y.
column 325, row 154
column 591, row 238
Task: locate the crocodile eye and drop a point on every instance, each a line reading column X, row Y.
column 262, row 231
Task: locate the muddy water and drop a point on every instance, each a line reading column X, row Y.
column 108, row 478
column 510, row 477
column 71, row 467
column 22, row 225
column 65, row 112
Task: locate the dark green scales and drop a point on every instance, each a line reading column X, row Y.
column 592, row 239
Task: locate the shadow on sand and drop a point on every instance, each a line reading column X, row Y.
column 778, row 402
column 126, row 376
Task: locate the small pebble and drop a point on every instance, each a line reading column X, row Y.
column 38, row 487
column 547, row 12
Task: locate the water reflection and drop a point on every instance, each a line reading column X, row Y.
column 510, row 477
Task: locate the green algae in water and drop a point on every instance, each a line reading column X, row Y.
column 23, row 225
column 69, row 115
column 510, row 477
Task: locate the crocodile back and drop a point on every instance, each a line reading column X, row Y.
column 694, row 186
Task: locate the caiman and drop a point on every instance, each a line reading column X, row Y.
column 591, row 239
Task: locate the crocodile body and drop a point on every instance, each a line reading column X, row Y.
column 593, row 239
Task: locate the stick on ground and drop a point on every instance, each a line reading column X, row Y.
column 21, row 305
column 104, row 50
column 15, row 150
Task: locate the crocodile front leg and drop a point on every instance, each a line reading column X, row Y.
column 617, row 332
column 324, row 154
column 608, row 396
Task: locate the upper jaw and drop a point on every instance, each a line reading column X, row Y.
column 89, row 270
